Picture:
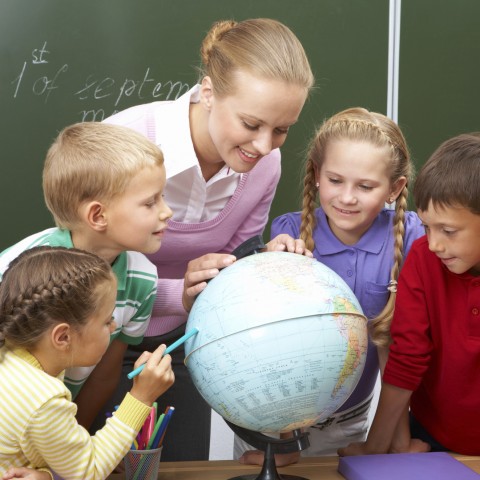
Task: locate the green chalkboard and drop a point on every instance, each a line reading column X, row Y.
column 439, row 72
column 63, row 61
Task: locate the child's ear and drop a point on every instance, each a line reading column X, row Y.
column 316, row 171
column 397, row 187
column 94, row 215
column 206, row 92
column 61, row 337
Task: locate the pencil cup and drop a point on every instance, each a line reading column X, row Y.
column 142, row 464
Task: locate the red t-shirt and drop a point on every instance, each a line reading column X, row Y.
column 436, row 348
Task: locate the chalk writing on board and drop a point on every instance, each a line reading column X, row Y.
column 42, row 78
column 38, row 54
column 42, row 85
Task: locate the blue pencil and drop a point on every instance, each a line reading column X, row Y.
column 157, row 442
column 169, row 349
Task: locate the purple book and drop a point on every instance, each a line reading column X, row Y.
column 401, row 466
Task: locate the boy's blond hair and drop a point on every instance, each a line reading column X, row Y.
column 92, row 161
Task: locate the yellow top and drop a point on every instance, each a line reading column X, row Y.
column 38, row 428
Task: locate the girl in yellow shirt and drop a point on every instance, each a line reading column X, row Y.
column 56, row 309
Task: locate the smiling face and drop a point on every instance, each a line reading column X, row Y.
column 453, row 235
column 354, row 186
column 249, row 124
column 136, row 219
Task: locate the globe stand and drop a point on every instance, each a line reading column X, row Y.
column 270, row 446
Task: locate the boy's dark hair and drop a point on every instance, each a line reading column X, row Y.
column 451, row 176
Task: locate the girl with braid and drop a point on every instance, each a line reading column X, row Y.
column 357, row 161
column 56, row 307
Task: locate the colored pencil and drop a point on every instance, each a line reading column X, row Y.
column 157, row 442
column 155, row 430
column 169, row 349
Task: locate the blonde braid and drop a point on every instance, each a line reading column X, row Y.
column 308, row 206
column 358, row 124
column 380, row 325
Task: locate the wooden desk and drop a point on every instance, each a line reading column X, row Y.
column 319, row 468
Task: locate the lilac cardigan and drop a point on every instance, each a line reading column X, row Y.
column 244, row 216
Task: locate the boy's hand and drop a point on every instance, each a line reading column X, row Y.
column 199, row 271
column 357, row 448
column 286, row 243
column 156, row 378
column 361, row 448
column 29, row 473
column 415, row 446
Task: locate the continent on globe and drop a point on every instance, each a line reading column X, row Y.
column 282, row 342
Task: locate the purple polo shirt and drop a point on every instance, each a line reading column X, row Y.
column 365, row 267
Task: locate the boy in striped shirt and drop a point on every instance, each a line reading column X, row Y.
column 103, row 185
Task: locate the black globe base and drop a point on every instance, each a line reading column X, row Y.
column 277, row 477
column 270, row 446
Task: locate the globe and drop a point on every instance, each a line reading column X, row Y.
column 281, row 342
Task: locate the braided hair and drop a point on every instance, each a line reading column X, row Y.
column 47, row 285
column 359, row 124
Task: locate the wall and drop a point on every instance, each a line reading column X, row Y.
column 439, row 80
column 69, row 61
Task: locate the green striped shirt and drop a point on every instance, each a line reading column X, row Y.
column 136, row 290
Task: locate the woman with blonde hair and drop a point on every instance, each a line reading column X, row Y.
column 221, row 145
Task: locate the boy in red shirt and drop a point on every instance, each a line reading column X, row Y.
column 434, row 357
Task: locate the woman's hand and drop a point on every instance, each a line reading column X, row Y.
column 199, row 271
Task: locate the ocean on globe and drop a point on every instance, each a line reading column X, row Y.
column 282, row 342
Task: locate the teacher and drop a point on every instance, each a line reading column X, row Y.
column 221, row 145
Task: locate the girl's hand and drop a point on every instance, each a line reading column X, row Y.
column 155, row 379
column 286, row 243
column 29, row 473
column 256, row 457
column 199, row 271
